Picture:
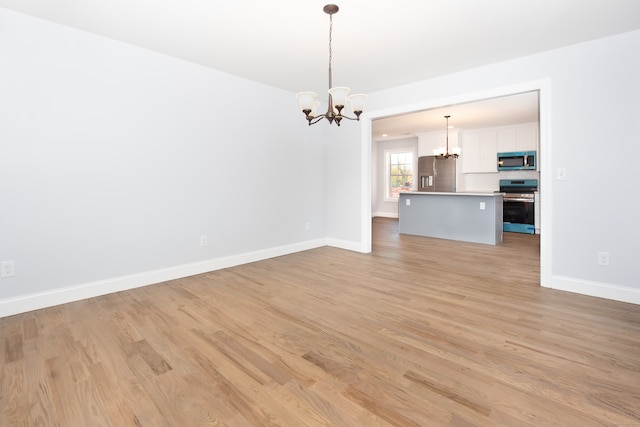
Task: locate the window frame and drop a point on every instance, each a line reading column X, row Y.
column 387, row 170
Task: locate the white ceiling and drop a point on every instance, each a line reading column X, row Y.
column 502, row 111
column 376, row 45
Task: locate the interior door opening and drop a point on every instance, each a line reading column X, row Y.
column 397, row 126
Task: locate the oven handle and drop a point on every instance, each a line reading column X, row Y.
column 517, row 199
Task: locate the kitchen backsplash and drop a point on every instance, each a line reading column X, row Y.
column 491, row 181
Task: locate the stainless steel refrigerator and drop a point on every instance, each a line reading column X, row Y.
column 436, row 173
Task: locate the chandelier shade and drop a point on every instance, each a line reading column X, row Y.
column 338, row 95
column 307, row 100
column 357, row 102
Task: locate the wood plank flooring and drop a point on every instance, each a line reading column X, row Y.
column 421, row 332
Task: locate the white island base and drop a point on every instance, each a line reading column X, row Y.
column 469, row 217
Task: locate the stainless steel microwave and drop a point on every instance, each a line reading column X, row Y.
column 517, row 160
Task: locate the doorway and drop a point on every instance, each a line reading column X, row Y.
column 542, row 88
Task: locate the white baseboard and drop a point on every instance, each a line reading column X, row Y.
column 25, row 303
column 348, row 245
column 594, row 289
column 384, row 214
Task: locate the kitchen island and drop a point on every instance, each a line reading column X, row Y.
column 469, row 217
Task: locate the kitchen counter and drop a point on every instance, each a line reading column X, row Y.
column 466, row 216
column 461, row 193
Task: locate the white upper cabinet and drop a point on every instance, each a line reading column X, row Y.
column 518, row 138
column 480, row 147
column 471, row 154
column 479, row 151
column 507, row 140
column 429, row 141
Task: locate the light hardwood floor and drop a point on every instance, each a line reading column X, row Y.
column 422, row 332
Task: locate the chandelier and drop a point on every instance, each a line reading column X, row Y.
column 337, row 95
column 444, row 151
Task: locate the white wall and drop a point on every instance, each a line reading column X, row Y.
column 345, row 180
column 590, row 100
column 114, row 161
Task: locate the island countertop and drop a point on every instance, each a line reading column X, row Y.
column 466, row 216
column 457, row 193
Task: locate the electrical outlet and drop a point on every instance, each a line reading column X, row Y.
column 203, row 241
column 7, row 268
column 307, row 226
column 603, row 258
column 483, row 206
column 408, row 202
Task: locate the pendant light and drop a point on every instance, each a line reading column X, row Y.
column 444, row 152
column 337, row 95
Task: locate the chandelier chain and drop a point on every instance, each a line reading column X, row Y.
column 330, row 50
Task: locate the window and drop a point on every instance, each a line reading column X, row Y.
column 399, row 172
